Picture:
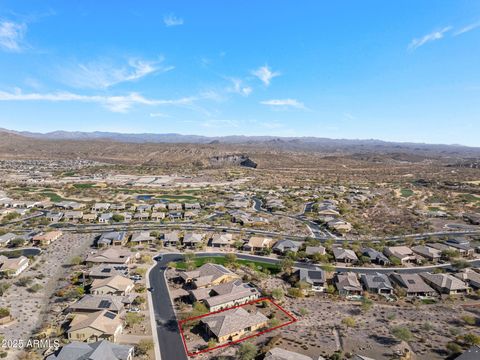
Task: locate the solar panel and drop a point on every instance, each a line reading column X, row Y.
column 106, row 270
column 110, row 315
column 104, row 304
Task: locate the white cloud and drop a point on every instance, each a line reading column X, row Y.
column 172, row 20
column 11, row 35
column 467, row 29
column 239, row 88
column 284, row 103
column 265, row 74
column 104, row 74
column 118, row 103
column 433, row 36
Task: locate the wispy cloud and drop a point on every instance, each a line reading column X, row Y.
column 117, row 103
column 265, row 74
column 172, row 20
column 104, row 74
column 433, row 36
column 467, row 28
column 284, row 103
column 12, row 36
column 238, row 87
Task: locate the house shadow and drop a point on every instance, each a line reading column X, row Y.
column 384, row 340
column 199, row 330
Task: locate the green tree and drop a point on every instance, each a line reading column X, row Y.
column 471, row 339
column 118, row 217
column 348, row 322
column 143, row 347
column 366, row 304
column 287, row 265
column 402, row 333
column 278, row 294
column 231, row 258
column 247, row 351
column 76, row 260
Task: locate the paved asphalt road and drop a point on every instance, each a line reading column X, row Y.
column 169, row 339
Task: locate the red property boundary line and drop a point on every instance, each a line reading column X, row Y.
column 181, row 322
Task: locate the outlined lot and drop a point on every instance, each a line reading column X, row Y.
column 265, row 305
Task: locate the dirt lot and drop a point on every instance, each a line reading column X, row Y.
column 321, row 332
column 29, row 309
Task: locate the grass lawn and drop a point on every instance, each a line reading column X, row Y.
column 185, row 198
column 406, row 192
column 469, row 198
column 222, row 261
column 84, row 186
column 54, row 197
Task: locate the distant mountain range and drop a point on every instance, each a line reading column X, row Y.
column 173, row 138
column 179, row 150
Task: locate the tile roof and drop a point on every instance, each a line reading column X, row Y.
column 231, row 321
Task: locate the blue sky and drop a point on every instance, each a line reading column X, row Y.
column 391, row 70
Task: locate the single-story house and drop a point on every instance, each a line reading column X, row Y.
column 101, row 207
column 192, row 239
column 347, row 284
column 470, row 276
column 114, row 285
column 402, row 253
column 100, row 325
column 225, row 295
column 112, row 238
column 142, row 237
column 54, row 216
column 104, row 271
column 340, row 226
column 427, row 252
column 413, row 284
column 377, row 283
column 13, row 266
column 171, row 238
column 97, row 350
column 375, row 256
column 6, row 238
column 175, row 206
column 105, row 218
column 316, row 278
column 445, row 283
column 313, row 250
column 46, row 238
column 73, row 215
column 143, row 216
column 284, row 246
column 231, row 325
column 157, row 216
column 92, row 303
column 192, row 206
column 344, row 255
column 258, row 243
column 111, row 256
column 277, row 353
column 221, row 240
column 208, row 275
